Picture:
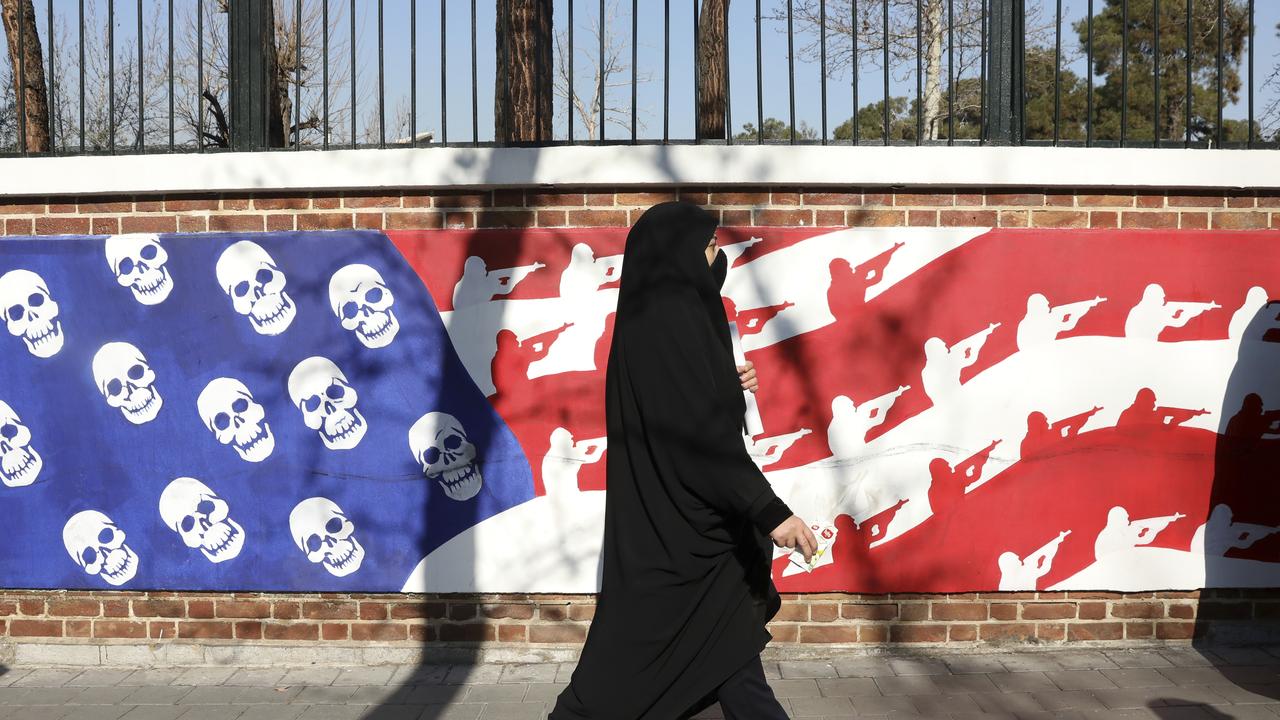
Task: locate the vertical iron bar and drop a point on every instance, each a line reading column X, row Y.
column 1249, row 142
column 142, row 135
column 791, row 68
column 324, row 70
column 1219, row 131
column 382, row 86
column 884, row 42
column 919, row 75
column 853, row 63
column 199, row 77
column 1057, row 74
column 1155, row 54
column 444, row 80
column 600, row 89
column 982, row 85
column 20, row 89
column 413, row 73
column 1088, row 123
column 1005, row 124
column 52, row 96
column 352, row 53
column 951, row 72
column 475, row 87
column 697, row 33
column 728, row 97
column 171, row 78
column 1124, row 71
column 1186, row 141
column 634, row 58
column 759, row 82
column 569, row 50
column 111, row 75
column 822, row 63
column 81, row 19
column 297, row 76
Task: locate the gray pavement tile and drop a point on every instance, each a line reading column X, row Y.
column 982, row 715
column 46, row 678
column 309, row 676
column 205, row 676
column 48, row 712
column 373, row 675
column 1137, row 658
column 544, row 692
column 1029, row 662
column 514, row 711
column 8, row 675
column 1083, row 660
column 467, row 674
column 99, row 677
column 273, row 712
column 862, row 667
column 1079, row 679
column 965, row 664
column 325, row 695
column 529, row 673
column 1068, row 700
column 1136, row 677
column 1007, row 702
column 1125, row 698
column 373, row 695
column 419, row 675
column 496, row 693
column 771, row 671
column 46, row 696
column 1246, row 694
column 415, row 694
column 11, row 696
column 1243, row 712
column 210, row 695
column 333, row 712
column 837, row 687
column 1195, row 675
column 964, row 684
column 919, row 666
column 452, row 712
column 213, row 712
column 910, row 685
column 943, row 705
column 156, row 694
column 565, row 671
column 391, row 712
column 806, row 669
column 101, row 696
column 820, row 706
column 153, row 676
column 266, row 695
column 1255, row 674
column 1246, row 656
column 1021, row 681
column 97, row 712
column 154, row 712
column 715, row 712
column 879, row 705
column 800, row 687
column 1185, row 657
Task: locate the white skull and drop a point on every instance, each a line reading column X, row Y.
column 30, row 312
column 328, row 404
column 248, row 275
column 229, row 411
column 362, row 301
column 19, row 462
column 322, row 531
column 138, row 261
column 199, row 517
column 440, row 444
column 97, row 546
column 127, row 381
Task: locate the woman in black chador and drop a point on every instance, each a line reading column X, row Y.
column 686, row 588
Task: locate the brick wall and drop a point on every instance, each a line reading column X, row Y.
column 563, row 619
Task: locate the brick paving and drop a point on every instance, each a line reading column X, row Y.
column 1177, row 683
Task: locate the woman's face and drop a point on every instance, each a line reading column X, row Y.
column 710, row 250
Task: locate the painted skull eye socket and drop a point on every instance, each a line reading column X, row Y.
column 222, row 421
column 136, row 372
column 313, row 543
column 241, row 289
column 334, row 525
column 374, row 295
column 204, row 507
column 431, row 456
column 16, row 312
column 126, row 266
column 35, row 299
column 9, row 431
column 114, row 387
column 149, row 252
column 312, row 403
column 106, row 536
column 187, row 523
column 453, row 442
column 240, row 405
column 335, row 391
column 264, row 276
column 89, row 556
column 350, row 310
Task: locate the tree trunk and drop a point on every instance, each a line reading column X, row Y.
column 523, row 92
column 710, row 73
column 279, row 107
column 28, row 65
column 934, row 32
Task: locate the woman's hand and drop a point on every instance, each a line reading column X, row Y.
column 794, row 534
column 747, row 374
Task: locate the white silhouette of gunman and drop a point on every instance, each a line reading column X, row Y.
column 942, row 365
column 1254, row 300
column 1022, row 574
column 1153, row 314
column 769, row 450
column 562, row 462
column 850, row 423
column 586, row 273
column 1219, row 534
column 1123, row 534
column 1042, row 323
column 478, row 284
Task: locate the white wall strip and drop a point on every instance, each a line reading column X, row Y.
column 622, row 166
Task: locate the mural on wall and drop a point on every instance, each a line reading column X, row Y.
column 953, row 409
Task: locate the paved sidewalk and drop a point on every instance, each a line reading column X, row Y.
column 1084, row 684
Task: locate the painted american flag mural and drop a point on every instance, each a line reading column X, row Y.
column 952, row 408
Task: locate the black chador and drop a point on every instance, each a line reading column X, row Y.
column 686, row 589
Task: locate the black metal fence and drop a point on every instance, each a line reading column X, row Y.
column 142, row 76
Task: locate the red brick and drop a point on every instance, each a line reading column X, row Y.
column 291, row 631
column 381, row 632
column 967, row 218
column 1221, row 220
column 24, row 208
column 880, row 198
column 249, row 630
column 237, row 223
column 1197, row 201
column 462, row 200
column 373, row 611
column 828, row 218
column 1006, row 631
column 405, row 611
column 78, row 607
column 235, row 203
column 970, row 199
column 922, row 218
column 505, row 219
column 1092, row 611
column 368, row 221
column 148, row 224
column 913, row 611
column 15, row 226
column 414, row 220
column 1169, row 630
column 552, row 218
column 876, row 218
column 553, row 613
column 278, row 222
column 556, row 633
column 62, row 208
column 582, row 612
column 1269, row 201
column 740, row 198
column 319, row 221
column 1051, row 632
column 597, row 218
column 1048, row 611
column 104, row 206
column 329, row 610
column 641, row 199
column 962, row 633
column 609, row 199
column 512, row 633
column 423, row 633
column 918, row 633
column 480, row 633
column 1242, row 201
column 1137, row 610
column 828, row 633
column 119, row 629
column 1139, row 630
column 784, row 198
column 78, row 628
column 501, row 198
column 107, row 225
column 873, row 633
column 1184, row 611
column 912, row 199
column 35, row 628
column 459, row 219
column 1015, row 198
column 190, row 203
column 335, row 631
column 202, row 629
column 326, row 202
column 859, row 611
column 1060, row 198
column 1149, row 200
column 1104, row 219
column 1193, row 220
column 462, row 611
column 730, row 218
column 1060, row 218
column 1095, row 631
column 162, row 629
column 286, row 610
column 159, row 608
column 31, row 606
column 792, row 612
column 1119, row 201
column 193, row 223
column 784, row 633
column 370, row 200
column 958, row 611
column 62, row 226
column 1014, row 218
column 115, row 608
column 8, row 608
column 242, row 609
column 507, row 612
column 832, row 198
column 281, row 202
column 1153, row 220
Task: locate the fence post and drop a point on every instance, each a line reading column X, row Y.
column 1003, row 119
column 248, row 25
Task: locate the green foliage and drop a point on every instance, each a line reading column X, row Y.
column 775, row 129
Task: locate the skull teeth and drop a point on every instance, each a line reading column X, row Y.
column 120, row 570
column 273, row 316
column 378, row 332
column 254, row 442
column 15, row 471
column 162, row 280
column 141, row 412
column 216, row 544
column 342, row 563
column 40, row 338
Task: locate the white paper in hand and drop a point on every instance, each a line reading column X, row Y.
column 826, row 535
column 751, row 417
